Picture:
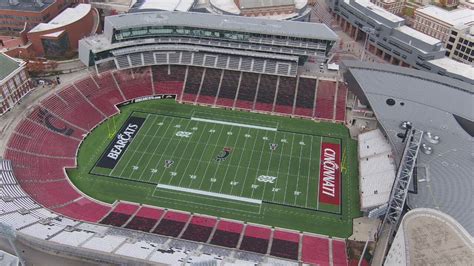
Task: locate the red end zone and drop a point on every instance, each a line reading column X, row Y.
column 330, row 174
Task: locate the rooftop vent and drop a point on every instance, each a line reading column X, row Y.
column 405, row 124
column 13, row 2
column 39, row 3
column 434, row 139
column 426, row 149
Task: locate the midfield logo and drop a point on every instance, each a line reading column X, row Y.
column 266, row 178
column 273, row 146
column 168, row 163
column 222, row 156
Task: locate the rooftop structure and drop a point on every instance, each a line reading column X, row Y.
column 14, row 82
column 443, row 178
column 427, row 237
column 219, row 22
column 68, row 16
column 9, row 65
column 23, row 5
column 456, row 69
column 168, row 5
column 453, row 17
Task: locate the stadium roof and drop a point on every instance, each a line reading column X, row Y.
column 439, row 105
column 68, row 16
column 418, row 34
column 167, row 5
column 264, row 3
column 430, row 237
column 8, row 65
column 26, row 6
column 222, row 22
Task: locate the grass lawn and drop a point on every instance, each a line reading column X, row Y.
column 239, row 165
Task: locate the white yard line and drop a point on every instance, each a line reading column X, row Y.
column 279, row 164
column 207, row 193
column 289, row 167
column 250, row 162
column 154, row 150
column 309, row 173
column 176, row 148
column 209, row 163
column 319, row 166
column 217, row 167
column 240, row 160
column 229, row 165
column 192, row 155
column 268, row 168
column 299, row 167
column 232, row 124
column 259, row 162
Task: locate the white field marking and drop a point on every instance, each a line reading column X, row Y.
column 240, row 160
column 268, row 168
column 222, row 117
column 207, row 193
column 129, row 145
column 200, row 161
column 299, row 167
column 250, row 162
column 149, row 143
column 228, row 165
column 219, row 164
column 157, row 165
column 151, row 155
column 150, row 158
column 279, row 164
column 309, row 173
column 210, row 161
column 174, row 151
column 203, row 129
column 260, row 161
column 289, row 167
column 232, row 210
column 233, row 124
column 319, row 166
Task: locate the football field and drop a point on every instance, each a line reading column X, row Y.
column 232, row 164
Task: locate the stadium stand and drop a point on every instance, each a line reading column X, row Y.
column 286, row 94
column 199, row 228
column 247, row 90
column 145, row 219
column 120, row 214
column 256, row 239
column 66, row 117
column 305, row 97
column 285, row 244
column 172, row 224
column 227, row 234
column 228, row 88
column 341, row 102
column 325, row 99
column 266, row 93
column 315, row 250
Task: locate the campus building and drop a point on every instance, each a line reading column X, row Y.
column 392, row 6
column 460, row 44
column 14, row 82
column 438, row 22
column 17, row 15
column 216, row 41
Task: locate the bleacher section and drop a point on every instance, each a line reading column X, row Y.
column 46, row 142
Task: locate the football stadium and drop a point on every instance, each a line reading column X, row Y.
column 198, row 139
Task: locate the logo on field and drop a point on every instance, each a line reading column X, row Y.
column 273, row 146
column 222, row 156
column 184, row 134
column 168, row 163
column 266, row 178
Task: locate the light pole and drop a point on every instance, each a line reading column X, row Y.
column 367, row 31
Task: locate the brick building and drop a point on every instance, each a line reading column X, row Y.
column 61, row 35
column 437, row 22
column 15, row 14
column 14, row 82
column 392, row 6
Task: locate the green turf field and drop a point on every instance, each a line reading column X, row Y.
column 239, row 165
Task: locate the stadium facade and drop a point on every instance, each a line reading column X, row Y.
column 214, row 41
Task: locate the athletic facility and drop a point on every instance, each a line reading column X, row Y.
column 176, row 149
column 243, row 164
